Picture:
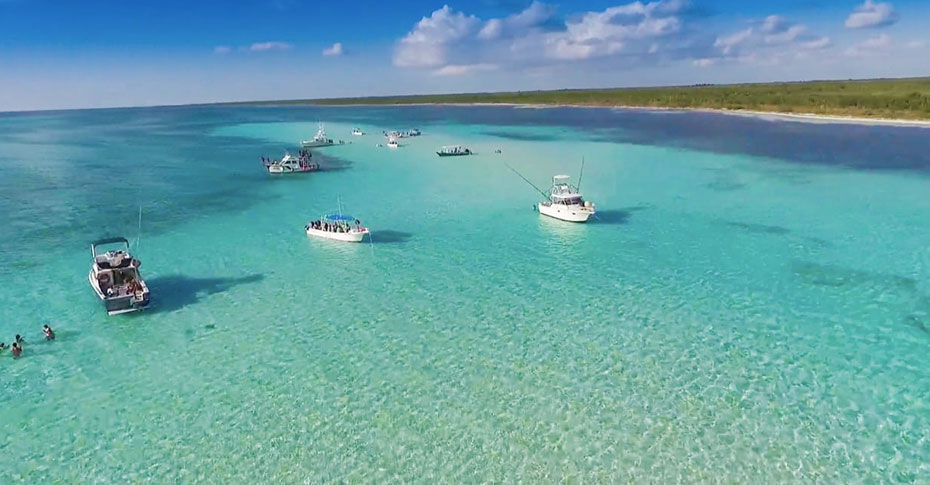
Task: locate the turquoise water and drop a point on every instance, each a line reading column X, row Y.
column 751, row 305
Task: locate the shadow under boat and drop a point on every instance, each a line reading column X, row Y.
column 389, row 237
column 170, row 293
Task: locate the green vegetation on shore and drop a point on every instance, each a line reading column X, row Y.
column 881, row 98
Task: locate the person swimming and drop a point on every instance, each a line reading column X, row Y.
column 2, row 347
column 49, row 333
column 17, row 350
column 20, row 340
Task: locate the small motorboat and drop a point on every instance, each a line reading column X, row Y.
column 338, row 227
column 114, row 276
column 453, row 151
column 392, row 143
column 318, row 140
column 358, row 132
column 291, row 164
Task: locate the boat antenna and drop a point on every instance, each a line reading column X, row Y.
column 527, row 180
column 139, row 233
column 581, row 174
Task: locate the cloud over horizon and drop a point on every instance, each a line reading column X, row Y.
column 872, row 14
column 334, row 50
column 447, row 39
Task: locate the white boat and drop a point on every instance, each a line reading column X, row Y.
column 453, row 151
column 402, row 133
column 114, row 276
column 392, row 143
column 291, row 164
column 318, row 140
column 565, row 202
column 358, row 132
column 338, row 227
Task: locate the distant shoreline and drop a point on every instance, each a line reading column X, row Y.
column 814, row 118
column 892, row 102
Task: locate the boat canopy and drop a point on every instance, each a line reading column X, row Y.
column 339, row 218
column 111, row 240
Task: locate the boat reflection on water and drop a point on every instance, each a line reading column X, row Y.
column 561, row 235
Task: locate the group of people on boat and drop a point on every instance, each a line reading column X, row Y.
column 16, row 348
column 303, row 159
column 334, row 226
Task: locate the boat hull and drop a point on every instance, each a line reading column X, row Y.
column 354, row 236
column 118, row 304
column 569, row 213
column 279, row 170
column 316, row 144
column 441, row 154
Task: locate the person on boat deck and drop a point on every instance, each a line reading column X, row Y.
column 17, row 350
column 49, row 333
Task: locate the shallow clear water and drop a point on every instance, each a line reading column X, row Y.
column 751, row 305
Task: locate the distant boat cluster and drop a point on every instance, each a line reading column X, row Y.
column 115, row 276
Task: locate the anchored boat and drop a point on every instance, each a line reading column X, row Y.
column 115, row 277
column 318, row 140
column 453, row 151
column 291, row 164
column 565, row 202
column 339, row 227
column 358, row 132
column 392, row 143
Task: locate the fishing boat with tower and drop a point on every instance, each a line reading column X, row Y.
column 564, row 200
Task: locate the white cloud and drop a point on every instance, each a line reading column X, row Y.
column 334, row 50
column 788, row 35
column 536, row 16
column 704, row 62
column 427, row 43
column 461, row 69
column 814, row 44
column 869, row 46
column 768, row 41
column 916, row 44
column 615, row 30
column 774, row 24
column 222, row 49
column 537, row 34
column 871, row 14
column 729, row 43
column 269, row 46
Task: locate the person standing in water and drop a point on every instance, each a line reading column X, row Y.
column 17, row 350
column 19, row 340
column 49, row 333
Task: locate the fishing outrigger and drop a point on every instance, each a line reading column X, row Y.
column 564, row 201
column 291, row 164
column 115, row 278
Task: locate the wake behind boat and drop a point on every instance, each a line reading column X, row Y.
column 115, row 278
column 338, row 227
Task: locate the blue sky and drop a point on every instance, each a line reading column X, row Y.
column 62, row 54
